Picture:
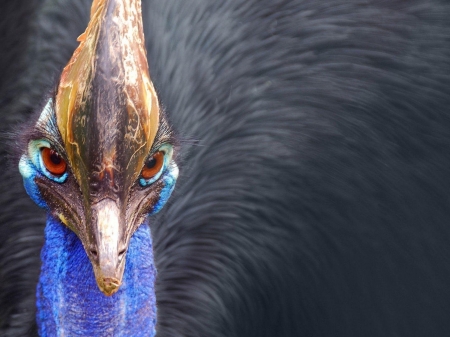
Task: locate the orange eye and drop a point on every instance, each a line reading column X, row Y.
column 153, row 165
column 53, row 162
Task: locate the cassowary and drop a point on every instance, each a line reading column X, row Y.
column 313, row 192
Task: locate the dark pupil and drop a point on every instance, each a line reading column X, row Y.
column 55, row 158
column 151, row 163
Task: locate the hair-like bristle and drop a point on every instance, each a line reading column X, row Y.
column 314, row 136
column 21, row 224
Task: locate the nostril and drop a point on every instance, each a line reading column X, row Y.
column 94, row 253
column 121, row 254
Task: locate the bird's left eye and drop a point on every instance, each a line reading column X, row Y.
column 153, row 165
column 156, row 165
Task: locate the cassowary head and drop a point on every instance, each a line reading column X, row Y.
column 100, row 157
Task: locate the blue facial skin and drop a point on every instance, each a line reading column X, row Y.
column 69, row 302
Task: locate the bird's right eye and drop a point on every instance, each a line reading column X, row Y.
column 47, row 161
column 53, row 161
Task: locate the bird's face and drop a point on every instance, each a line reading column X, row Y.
column 101, row 156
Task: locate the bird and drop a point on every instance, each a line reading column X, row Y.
column 309, row 144
column 99, row 160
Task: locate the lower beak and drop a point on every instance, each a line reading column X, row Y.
column 106, row 253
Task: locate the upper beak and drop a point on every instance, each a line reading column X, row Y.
column 108, row 115
column 107, row 251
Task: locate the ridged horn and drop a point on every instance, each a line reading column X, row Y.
column 106, row 107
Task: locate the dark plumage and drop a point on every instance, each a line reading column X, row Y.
column 314, row 186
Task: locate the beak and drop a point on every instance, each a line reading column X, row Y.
column 107, row 252
column 107, row 113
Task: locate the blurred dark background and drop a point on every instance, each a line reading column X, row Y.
column 314, row 190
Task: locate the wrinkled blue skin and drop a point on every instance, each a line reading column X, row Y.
column 69, row 302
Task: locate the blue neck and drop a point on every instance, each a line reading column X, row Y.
column 69, row 302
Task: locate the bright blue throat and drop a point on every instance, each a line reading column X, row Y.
column 69, row 302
